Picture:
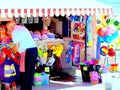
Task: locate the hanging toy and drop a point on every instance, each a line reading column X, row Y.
column 76, row 53
column 69, row 52
column 115, row 34
column 111, row 52
column 108, row 38
column 103, row 21
column 111, row 21
column 101, row 31
column 100, row 39
column 110, row 30
column 104, row 50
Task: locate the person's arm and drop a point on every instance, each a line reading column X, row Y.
column 15, row 47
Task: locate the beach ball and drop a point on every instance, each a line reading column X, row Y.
column 110, row 21
column 110, row 29
column 108, row 38
column 103, row 16
column 115, row 34
column 100, row 39
column 104, row 50
column 98, row 27
column 111, row 52
column 117, row 24
column 101, row 32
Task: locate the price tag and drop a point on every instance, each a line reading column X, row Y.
column 47, row 69
column 85, row 68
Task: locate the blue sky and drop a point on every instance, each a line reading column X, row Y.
column 117, row 2
column 114, row 3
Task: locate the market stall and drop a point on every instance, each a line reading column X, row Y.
column 48, row 8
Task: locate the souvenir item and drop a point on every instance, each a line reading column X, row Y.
column 46, row 21
column 17, row 20
column 24, row 20
column 36, row 19
column 30, row 20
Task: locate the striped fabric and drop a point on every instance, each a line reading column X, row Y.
column 51, row 12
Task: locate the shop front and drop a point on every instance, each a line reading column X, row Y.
column 76, row 18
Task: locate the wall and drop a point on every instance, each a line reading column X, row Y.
column 58, row 26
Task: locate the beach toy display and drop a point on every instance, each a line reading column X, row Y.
column 104, row 50
column 94, row 77
column 41, row 79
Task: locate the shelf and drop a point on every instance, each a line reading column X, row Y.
column 46, row 42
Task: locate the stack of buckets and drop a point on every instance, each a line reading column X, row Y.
column 94, row 77
column 41, row 79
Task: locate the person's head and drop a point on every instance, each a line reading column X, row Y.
column 10, row 26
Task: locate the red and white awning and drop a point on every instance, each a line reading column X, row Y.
column 8, row 8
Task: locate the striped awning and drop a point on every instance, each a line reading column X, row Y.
column 9, row 8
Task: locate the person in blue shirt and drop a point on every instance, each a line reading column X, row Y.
column 26, row 46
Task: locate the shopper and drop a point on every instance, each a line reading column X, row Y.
column 24, row 44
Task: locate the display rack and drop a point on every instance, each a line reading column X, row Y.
column 78, row 35
column 46, row 42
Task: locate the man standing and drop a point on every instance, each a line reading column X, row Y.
column 24, row 44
